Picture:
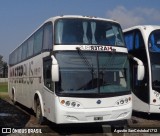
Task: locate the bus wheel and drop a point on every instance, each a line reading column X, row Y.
column 39, row 112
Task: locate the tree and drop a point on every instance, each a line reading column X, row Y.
column 3, row 67
column 1, row 62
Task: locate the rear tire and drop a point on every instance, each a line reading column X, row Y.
column 39, row 112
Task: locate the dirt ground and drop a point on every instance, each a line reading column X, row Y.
column 20, row 117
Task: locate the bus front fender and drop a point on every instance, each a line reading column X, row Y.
column 39, row 96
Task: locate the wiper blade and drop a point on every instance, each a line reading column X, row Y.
column 90, row 67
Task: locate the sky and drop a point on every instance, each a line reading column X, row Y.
column 19, row 18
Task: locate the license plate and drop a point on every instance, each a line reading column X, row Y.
column 98, row 118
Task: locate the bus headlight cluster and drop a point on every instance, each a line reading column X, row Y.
column 123, row 101
column 71, row 104
column 157, row 94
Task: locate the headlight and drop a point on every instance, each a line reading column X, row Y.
column 67, row 103
column 70, row 104
column 123, row 101
column 73, row 104
column 126, row 100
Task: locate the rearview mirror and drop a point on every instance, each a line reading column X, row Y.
column 140, row 72
column 55, row 69
column 140, row 68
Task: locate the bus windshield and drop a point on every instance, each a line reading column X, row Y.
column 94, row 73
column 86, row 31
column 154, row 41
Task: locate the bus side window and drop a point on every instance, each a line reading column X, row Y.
column 24, row 50
column 38, row 41
column 30, row 46
column 139, row 43
column 129, row 38
column 48, row 37
column 47, row 73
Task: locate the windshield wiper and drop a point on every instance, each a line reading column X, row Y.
column 90, row 67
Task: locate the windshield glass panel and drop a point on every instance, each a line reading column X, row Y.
column 92, row 73
column 154, row 41
column 156, row 77
column 87, row 31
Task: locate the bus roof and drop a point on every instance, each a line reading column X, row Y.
column 78, row 16
column 143, row 27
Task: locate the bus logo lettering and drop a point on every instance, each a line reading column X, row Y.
column 97, row 48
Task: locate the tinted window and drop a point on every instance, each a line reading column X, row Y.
column 154, row 41
column 30, row 46
column 139, row 43
column 48, row 37
column 129, row 37
column 19, row 54
column 134, row 40
column 24, row 51
column 47, row 73
column 38, row 41
column 88, row 31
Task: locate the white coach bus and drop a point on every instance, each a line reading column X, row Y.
column 143, row 42
column 73, row 69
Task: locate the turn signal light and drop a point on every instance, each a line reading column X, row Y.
column 154, row 100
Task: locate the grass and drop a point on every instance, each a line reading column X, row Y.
column 3, row 90
column 3, row 87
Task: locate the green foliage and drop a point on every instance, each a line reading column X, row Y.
column 3, row 87
column 3, row 68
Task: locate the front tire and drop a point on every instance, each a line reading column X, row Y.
column 39, row 113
